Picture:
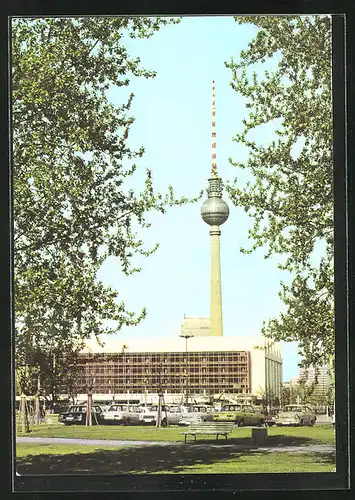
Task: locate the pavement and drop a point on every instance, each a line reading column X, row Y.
column 317, row 448
column 324, row 420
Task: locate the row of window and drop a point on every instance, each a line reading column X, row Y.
column 180, row 369
column 167, row 358
column 171, row 390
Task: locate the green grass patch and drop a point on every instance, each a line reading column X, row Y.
column 276, row 435
column 266, row 463
column 31, row 449
column 169, row 459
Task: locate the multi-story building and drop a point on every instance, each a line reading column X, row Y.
column 319, row 376
column 211, row 365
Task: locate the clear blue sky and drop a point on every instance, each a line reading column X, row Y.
column 173, row 123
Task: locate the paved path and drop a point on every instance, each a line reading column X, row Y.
column 320, row 448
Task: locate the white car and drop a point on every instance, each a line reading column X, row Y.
column 170, row 415
column 197, row 413
column 296, row 415
column 122, row 414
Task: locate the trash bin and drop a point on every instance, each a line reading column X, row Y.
column 258, row 436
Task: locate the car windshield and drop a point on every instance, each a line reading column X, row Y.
column 77, row 409
column 231, row 408
column 118, row 408
column 197, row 409
column 292, row 408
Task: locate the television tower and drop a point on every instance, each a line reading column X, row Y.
column 215, row 212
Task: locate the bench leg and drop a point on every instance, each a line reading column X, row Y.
column 185, row 438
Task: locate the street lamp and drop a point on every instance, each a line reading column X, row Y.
column 186, row 336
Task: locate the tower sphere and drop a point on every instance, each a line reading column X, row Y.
column 214, row 211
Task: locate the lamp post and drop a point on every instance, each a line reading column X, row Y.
column 186, row 336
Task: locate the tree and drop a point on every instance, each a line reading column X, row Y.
column 72, row 205
column 285, row 395
column 290, row 196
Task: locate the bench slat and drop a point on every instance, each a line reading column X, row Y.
column 200, row 429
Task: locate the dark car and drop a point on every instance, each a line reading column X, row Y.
column 76, row 415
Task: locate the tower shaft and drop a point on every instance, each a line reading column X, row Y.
column 216, row 289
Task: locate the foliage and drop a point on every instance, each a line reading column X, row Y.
column 312, row 393
column 289, row 194
column 72, row 204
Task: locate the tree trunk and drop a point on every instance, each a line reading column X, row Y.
column 24, row 418
column 89, row 408
column 158, row 423
column 37, row 403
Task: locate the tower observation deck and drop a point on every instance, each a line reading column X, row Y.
column 215, row 212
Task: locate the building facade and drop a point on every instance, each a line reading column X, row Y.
column 211, row 366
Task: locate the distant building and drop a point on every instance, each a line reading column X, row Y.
column 196, row 326
column 215, row 365
column 320, row 376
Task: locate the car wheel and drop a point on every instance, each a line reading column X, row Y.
column 240, row 423
column 164, row 423
column 301, row 422
column 127, row 421
column 261, row 423
column 311, row 423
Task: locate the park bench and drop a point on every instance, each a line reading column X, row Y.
column 217, row 428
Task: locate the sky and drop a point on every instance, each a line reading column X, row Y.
column 173, row 122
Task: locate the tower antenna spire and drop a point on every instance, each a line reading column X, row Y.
column 214, row 154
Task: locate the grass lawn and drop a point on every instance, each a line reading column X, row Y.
column 276, row 435
column 40, row 458
column 64, row 459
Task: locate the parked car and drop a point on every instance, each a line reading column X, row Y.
column 170, row 415
column 296, row 415
column 76, row 415
column 197, row 413
column 271, row 417
column 240, row 414
column 122, row 414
